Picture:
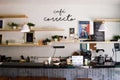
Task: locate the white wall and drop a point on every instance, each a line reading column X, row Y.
column 37, row 12
column 112, row 29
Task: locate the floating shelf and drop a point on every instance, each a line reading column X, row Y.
column 78, row 41
column 59, row 42
column 108, row 20
column 47, row 29
column 35, row 29
column 23, row 44
column 10, row 30
column 13, row 16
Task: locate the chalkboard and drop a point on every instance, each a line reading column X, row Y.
column 99, row 35
column 29, row 37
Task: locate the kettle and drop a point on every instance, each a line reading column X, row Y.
column 100, row 59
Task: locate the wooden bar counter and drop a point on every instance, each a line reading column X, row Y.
column 69, row 73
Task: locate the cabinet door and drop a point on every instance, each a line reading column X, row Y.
column 99, row 35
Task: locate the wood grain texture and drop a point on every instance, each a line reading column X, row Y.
column 13, row 16
column 83, row 79
column 68, row 73
column 5, row 78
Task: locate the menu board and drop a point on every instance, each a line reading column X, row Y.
column 99, row 35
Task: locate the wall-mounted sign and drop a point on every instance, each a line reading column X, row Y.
column 60, row 17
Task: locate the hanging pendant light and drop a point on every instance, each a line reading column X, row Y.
column 102, row 27
column 25, row 28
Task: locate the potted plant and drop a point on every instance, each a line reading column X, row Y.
column 31, row 25
column 46, row 41
column 13, row 25
column 55, row 37
column 116, row 37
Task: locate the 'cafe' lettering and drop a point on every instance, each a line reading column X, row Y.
column 68, row 17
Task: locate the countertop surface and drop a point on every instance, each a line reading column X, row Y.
column 41, row 65
column 31, row 65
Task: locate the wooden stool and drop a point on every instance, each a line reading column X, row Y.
column 83, row 79
column 4, row 78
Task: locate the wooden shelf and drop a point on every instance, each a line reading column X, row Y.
column 23, row 44
column 10, row 30
column 78, row 41
column 59, row 42
column 108, row 20
column 35, row 29
column 47, row 29
column 13, row 16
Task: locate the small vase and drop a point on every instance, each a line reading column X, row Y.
column 31, row 27
column 55, row 39
column 14, row 27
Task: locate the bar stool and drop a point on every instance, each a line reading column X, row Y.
column 4, row 78
column 83, row 79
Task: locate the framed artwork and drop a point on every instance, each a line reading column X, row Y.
column 71, row 30
column 1, row 23
column 98, row 35
column 84, row 29
column 0, row 38
column 83, row 47
column 71, row 33
column 29, row 37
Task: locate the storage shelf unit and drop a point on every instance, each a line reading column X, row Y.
column 13, row 16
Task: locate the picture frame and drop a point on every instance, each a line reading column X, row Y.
column 0, row 38
column 29, row 37
column 71, row 33
column 1, row 23
column 71, row 30
column 83, row 47
column 84, row 29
